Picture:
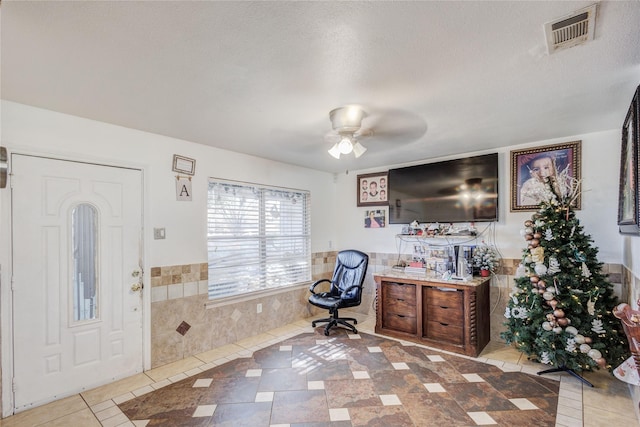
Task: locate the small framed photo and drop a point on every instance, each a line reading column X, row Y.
column 530, row 169
column 372, row 189
column 628, row 196
column 375, row 219
column 184, row 165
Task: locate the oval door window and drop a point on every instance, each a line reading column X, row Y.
column 84, row 238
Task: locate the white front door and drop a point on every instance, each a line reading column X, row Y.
column 77, row 319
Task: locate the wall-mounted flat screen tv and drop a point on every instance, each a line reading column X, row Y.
column 460, row 190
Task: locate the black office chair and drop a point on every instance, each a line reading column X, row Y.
column 345, row 291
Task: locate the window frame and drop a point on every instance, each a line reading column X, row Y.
column 263, row 237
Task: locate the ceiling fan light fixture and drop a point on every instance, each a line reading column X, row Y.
column 335, row 151
column 345, row 145
column 358, row 149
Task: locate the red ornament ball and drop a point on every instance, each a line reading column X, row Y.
column 528, row 223
column 534, row 279
column 563, row 321
column 528, row 236
column 558, row 313
column 537, row 235
column 588, row 340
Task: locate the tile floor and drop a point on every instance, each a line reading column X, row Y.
column 608, row 403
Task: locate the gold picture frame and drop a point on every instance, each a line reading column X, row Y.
column 530, row 166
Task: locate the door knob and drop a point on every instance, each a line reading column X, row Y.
column 137, row 287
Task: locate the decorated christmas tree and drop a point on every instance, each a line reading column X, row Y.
column 560, row 309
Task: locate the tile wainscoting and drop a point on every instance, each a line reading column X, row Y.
column 179, row 294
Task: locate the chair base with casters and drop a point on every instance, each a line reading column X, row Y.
column 336, row 320
column 345, row 289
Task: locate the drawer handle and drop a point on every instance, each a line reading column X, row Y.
column 399, row 299
column 444, row 306
column 400, row 315
column 444, row 324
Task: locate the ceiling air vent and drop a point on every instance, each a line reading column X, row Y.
column 571, row 30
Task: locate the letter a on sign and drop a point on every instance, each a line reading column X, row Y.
column 183, row 189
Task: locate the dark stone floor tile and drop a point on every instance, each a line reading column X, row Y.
column 283, row 379
column 539, row 418
column 291, row 407
column 272, row 357
column 379, row 416
column 434, row 409
column 474, row 397
column 335, row 370
column 231, row 390
column 351, row 393
column 242, row 414
column 397, row 381
column 185, row 422
column 466, row 366
column 518, row 384
column 164, row 403
column 364, row 360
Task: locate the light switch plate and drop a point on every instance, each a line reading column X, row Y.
column 158, row 233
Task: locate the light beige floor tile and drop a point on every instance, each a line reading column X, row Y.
column 172, row 369
column 118, row 388
column 254, row 340
column 84, row 418
column 218, row 353
column 47, row 413
column 599, row 418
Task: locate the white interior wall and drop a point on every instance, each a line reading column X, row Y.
column 600, row 177
column 33, row 130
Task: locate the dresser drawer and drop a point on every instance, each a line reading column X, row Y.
column 449, row 298
column 400, row 322
column 449, row 315
column 399, row 306
column 400, row 291
column 442, row 331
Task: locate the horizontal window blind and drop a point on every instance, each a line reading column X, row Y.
column 258, row 238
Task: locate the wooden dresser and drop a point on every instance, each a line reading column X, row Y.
column 451, row 315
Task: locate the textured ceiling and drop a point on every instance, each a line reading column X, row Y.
column 438, row 78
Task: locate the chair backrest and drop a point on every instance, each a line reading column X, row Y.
column 350, row 270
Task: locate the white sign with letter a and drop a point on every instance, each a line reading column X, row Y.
column 183, row 189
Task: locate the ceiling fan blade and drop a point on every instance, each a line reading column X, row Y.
column 397, row 125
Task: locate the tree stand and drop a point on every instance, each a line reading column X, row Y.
column 567, row 370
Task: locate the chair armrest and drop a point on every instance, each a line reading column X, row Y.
column 346, row 291
column 316, row 283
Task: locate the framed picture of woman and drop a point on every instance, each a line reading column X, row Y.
column 531, row 168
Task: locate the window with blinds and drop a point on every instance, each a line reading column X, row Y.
column 258, row 238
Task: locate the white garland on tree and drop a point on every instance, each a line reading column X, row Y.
column 585, row 270
column 519, row 312
column 544, row 358
column 591, row 307
column 596, row 326
column 554, row 266
column 548, row 234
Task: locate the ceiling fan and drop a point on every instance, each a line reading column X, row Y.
column 387, row 128
column 346, row 123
